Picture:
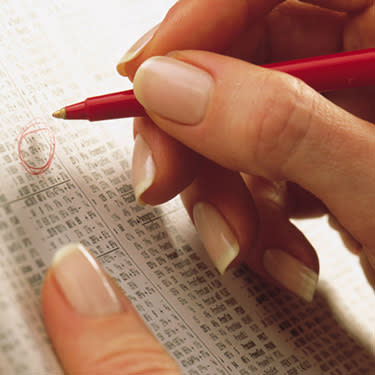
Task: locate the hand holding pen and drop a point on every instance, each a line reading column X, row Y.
column 249, row 148
column 246, row 102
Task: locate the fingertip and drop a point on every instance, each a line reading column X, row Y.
column 101, row 341
column 215, row 232
column 143, row 168
column 161, row 167
column 283, row 255
column 135, row 50
column 223, row 212
column 291, row 273
column 53, row 302
column 121, row 69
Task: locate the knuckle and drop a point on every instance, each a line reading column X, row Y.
column 282, row 124
column 131, row 356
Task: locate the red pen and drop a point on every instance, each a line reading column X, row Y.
column 322, row 73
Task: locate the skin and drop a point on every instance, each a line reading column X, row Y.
column 291, row 30
column 319, row 160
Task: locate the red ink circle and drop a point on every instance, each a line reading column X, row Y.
column 36, row 126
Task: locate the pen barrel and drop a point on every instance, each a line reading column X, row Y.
column 112, row 106
column 333, row 72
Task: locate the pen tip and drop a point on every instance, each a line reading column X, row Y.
column 61, row 113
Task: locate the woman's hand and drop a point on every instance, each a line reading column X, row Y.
column 249, row 147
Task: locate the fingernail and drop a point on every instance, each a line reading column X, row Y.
column 291, row 273
column 143, row 168
column 173, row 89
column 219, row 240
column 135, row 50
column 84, row 282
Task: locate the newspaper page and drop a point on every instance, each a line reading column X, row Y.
column 67, row 182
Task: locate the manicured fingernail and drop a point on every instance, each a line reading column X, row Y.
column 216, row 235
column 173, row 89
column 135, row 50
column 143, row 168
column 84, row 282
column 291, row 273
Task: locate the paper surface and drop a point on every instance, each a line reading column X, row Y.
column 54, row 53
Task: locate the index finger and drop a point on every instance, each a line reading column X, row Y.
column 209, row 25
column 341, row 5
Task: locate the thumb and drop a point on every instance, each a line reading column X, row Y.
column 259, row 121
column 93, row 327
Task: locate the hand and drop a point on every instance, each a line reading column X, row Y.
column 92, row 325
column 257, row 149
column 248, row 147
